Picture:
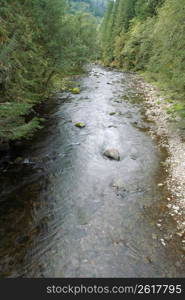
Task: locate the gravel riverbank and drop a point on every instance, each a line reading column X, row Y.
column 170, row 137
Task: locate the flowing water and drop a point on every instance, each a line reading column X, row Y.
column 68, row 211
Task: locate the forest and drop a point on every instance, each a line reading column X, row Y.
column 147, row 36
column 42, row 42
column 96, row 7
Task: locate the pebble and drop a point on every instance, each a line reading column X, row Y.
column 163, row 242
column 158, row 225
column 179, row 234
column 168, row 238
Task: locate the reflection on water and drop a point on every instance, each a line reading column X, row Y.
column 67, row 211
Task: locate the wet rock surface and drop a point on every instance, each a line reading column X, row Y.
column 112, row 154
column 73, row 213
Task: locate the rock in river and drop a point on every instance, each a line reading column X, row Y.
column 75, row 90
column 112, row 154
column 80, row 124
column 18, row 160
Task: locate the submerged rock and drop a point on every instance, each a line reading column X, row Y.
column 112, row 113
column 18, row 160
column 80, row 124
column 112, row 154
column 118, row 101
column 133, row 156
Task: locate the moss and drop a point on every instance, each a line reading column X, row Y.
column 80, row 124
column 75, row 90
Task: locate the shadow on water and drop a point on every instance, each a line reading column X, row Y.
column 67, row 211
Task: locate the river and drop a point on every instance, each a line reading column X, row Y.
column 66, row 210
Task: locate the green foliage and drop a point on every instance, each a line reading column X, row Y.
column 168, row 55
column 116, row 22
column 128, row 12
column 12, row 122
column 138, row 45
column 14, row 109
column 145, row 9
column 17, row 129
column 97, row 7
column 40, row 40
column 148, row 36
column 106, row 33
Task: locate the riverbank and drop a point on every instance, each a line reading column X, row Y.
column 172, row 139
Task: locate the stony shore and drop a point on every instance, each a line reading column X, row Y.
column 170, row 137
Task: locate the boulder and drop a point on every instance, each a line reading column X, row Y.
column 112, row 154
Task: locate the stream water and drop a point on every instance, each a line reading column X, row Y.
column 68, row 211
